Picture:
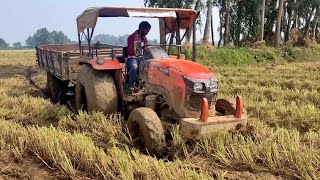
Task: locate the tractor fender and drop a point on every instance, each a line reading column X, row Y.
column 101, row 63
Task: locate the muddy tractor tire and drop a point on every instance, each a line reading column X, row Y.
column 56, row 88
column 96, row 91
column 146, row 130
column 228, row 107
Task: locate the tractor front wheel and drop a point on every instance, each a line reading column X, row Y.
column 146, row 130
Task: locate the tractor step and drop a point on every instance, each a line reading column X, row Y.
column 138, row 96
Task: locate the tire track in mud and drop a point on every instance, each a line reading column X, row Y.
column 29, row 73
column 23, row 166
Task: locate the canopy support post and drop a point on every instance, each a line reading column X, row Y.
column 88, row 39
column 194, row 50
column 79, row 39
column 178, row 42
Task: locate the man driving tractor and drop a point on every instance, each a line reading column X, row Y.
column 171, row 89
column 136, row 44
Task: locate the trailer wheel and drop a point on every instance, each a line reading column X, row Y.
column 96, row 91
column 146, row 130
column 56, row 88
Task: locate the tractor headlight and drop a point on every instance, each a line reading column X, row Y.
column 214, row 84
column 201, row 86
column 198, row 86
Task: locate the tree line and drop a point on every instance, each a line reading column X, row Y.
column 245, row 22
column 116, row 40
column 43, row 36
column 241, row 23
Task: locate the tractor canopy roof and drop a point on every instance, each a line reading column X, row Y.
column 173, row 18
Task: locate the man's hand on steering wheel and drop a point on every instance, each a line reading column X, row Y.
column 145, row 48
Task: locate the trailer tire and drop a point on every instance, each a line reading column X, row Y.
column 56, row 88
column 145, row 128
column 96, row 91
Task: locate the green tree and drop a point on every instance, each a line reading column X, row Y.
column 160, row 4
column 244, row 21
column 207, row 28
column 290, row 11
column 278, row 23
column 308, row 22
column 43, row 36
column 221, row 4
column 237, row 19
column 17, row 45
column 227, row 23
column 315, row 23
column 3, row 44
column 168, row 4
column 309, row 11
column 111, row 40
column 198, row 6
column 60, row 38
column 186, row 4
column 263, row 8
column 153, row 42
column 270, row 15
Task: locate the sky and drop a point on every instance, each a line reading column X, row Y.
column 20, row 18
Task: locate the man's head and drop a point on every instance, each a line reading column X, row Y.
column 144, row 28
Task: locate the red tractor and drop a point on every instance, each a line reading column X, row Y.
column 172, row 90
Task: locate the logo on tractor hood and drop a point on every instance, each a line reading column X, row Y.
column 164, row 70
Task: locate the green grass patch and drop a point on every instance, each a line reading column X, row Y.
column 235, row 56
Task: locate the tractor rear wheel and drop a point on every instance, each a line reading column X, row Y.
column 56, row 88
column 146, row 130
column 96, row 91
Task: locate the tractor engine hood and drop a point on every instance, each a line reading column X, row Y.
column 183, row 84
column 187, row 68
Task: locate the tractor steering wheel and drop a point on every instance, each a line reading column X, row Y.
column 145, row 48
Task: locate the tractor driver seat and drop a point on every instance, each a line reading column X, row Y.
column 124, row 57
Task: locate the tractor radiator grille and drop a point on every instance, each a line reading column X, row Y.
column 195, row 101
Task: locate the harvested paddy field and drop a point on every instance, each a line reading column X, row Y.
column 282, row 140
